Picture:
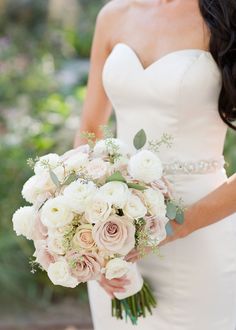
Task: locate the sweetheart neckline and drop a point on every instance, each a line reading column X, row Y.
column 159, row 59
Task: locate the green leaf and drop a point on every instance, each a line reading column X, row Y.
column 54, row 179
column 180, row 217
column 169, row 229
column 71, row 178
column 136, row 186
column 171, row 211
column 117, row 176
column 140, row 139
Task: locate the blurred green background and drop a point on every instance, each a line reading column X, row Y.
column 44, row 61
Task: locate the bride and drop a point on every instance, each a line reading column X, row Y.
column 169, row 66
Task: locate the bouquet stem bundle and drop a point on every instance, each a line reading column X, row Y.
column 135, row 306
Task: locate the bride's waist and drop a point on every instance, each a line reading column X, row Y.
column 192, row 187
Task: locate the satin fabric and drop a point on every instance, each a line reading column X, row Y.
column 194, row 280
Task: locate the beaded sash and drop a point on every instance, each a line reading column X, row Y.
column 200, row 167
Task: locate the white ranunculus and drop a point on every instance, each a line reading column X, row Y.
column 116, row 193
column 110, row 146
column 145, row 166
column 116, row 268
column 55, row 244
column 78, row 193
column 134, row 207
column 51, row 160
column 97, row 208
column 56, row 213
column 24, row 220
column 97, row 168
column 155, row 202
column 59, row 274
column 77, row 162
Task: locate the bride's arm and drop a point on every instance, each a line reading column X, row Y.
column 210, row 209
column 96, row 107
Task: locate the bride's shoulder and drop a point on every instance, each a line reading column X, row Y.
column 113, row 9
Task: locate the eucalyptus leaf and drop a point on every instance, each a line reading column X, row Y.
column 169, row 229
column 117, row 176
column 180, row 217
column 140, row 139
column 54, row 178
column 71, row 178
column 136, row 186
column 171, row 211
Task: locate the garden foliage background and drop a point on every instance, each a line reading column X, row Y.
column 44, row 61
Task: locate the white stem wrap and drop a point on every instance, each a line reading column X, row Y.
column 136, row 283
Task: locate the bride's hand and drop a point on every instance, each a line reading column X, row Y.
column 135, row 255
column 114, row 285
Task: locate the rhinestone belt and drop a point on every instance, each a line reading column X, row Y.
column 200, row 167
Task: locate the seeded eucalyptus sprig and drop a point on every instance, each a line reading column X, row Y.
column 166, row 139
column 90, row 138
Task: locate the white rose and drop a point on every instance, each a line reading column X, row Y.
column 97, row 208
column 24, row 220
column 116, row 268
column 59, row 274
column 97, row 168
column 55, row 244
column 77, row 162
column 36, row 189
column 145, row 166
column 109, row 146
column 116, row 193
column 134, row 207
column 51, row 160
column 78, row 193
column 56, row 213
column 155, row 202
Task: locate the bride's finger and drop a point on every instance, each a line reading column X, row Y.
column 119, row 282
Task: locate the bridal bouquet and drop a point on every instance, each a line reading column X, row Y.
column 90, row 207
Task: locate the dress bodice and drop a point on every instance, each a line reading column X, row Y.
column 177, row 94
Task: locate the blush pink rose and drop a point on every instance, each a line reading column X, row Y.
column 85, row 265
column 71, row 153
column 43, row 257
column 115, row 235
column 40, row 231
column 156, row 228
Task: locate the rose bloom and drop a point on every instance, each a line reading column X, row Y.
column 155, row 202
column 59, row 274
column 56, row 244
column 77, row 162
column 97, row 168
column 116, row 193
column 104, row 147
column 38, row 188
column 145, row 166
column 115, row 235
column 86, row 265
column 97, row 208
column 83, row 238
column 24, row 220
column 42, row 255
column 56, row 213
column 155, row 228
column 73, row 152
column 116, row 268
column 52, row 160
column 78, row 193
column 134, row 208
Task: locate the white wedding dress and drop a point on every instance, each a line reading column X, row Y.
column 195, row 279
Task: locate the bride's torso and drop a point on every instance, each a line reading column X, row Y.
column 177, row 95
